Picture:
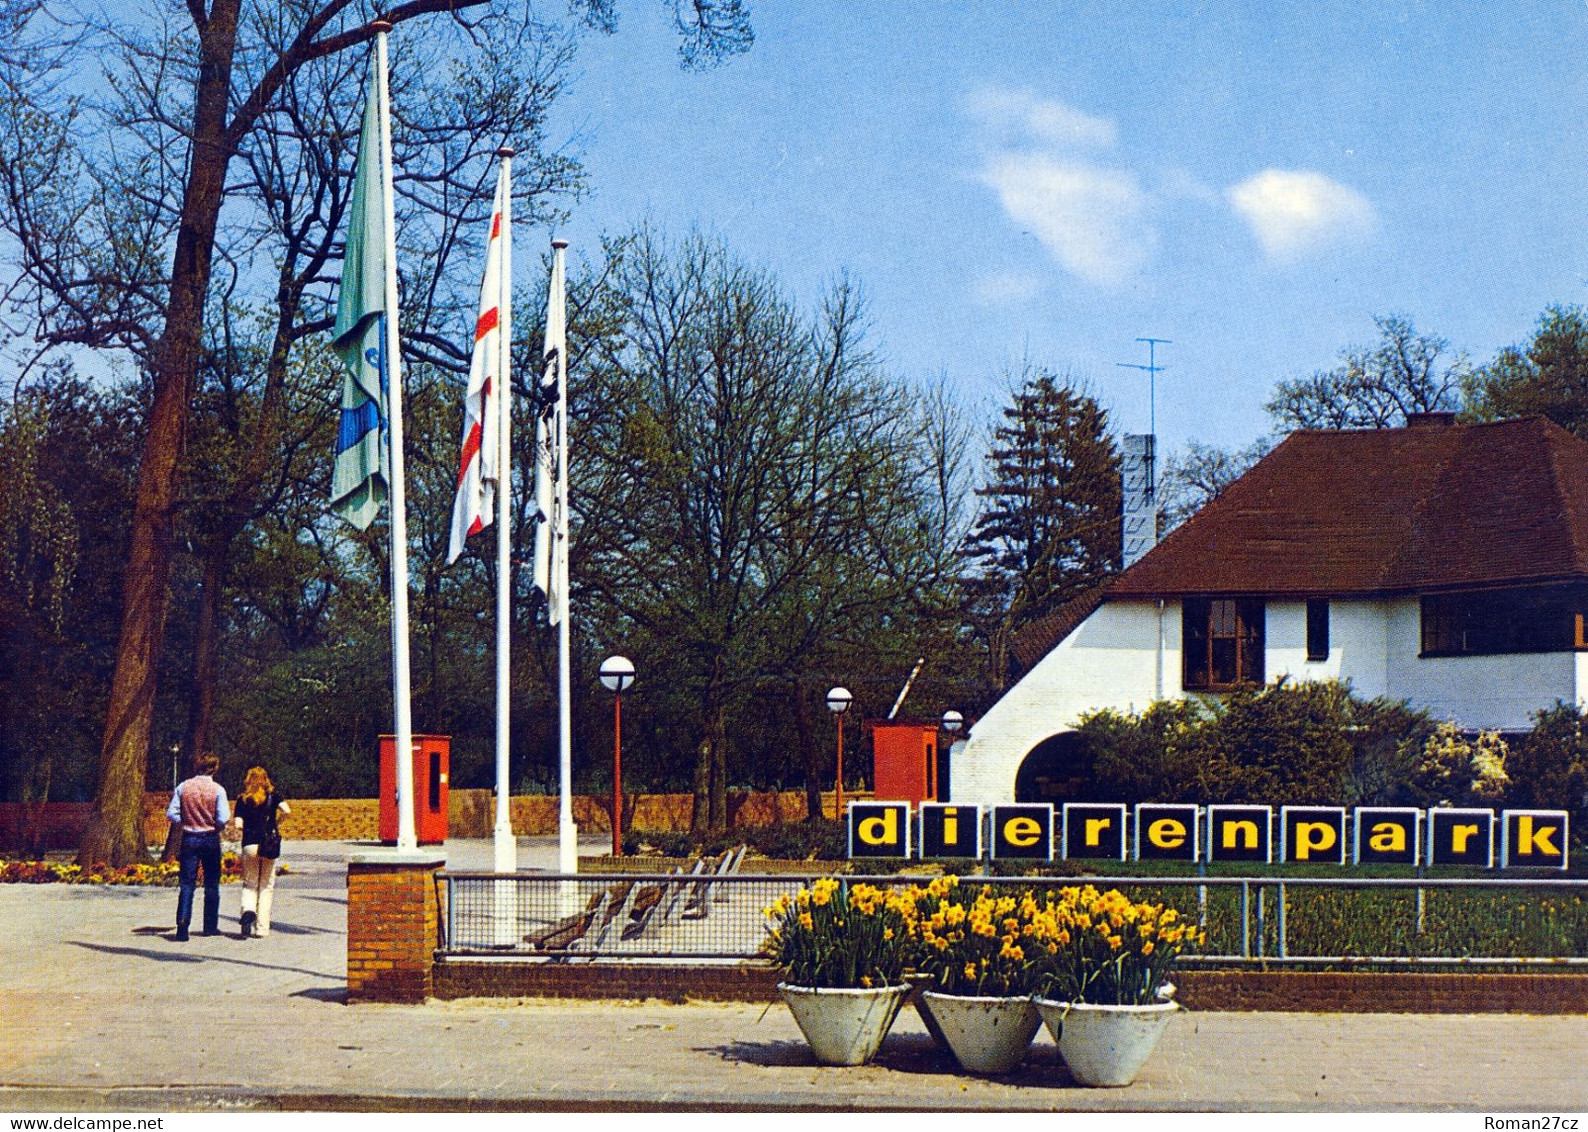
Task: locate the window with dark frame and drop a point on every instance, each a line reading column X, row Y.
column 1524, row 619
column 1221, row 643
column 1318, row 629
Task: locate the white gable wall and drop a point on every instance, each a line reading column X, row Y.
column 1358, row 646
column 1497, row 693
column 1109, row 661
column 1112, row 661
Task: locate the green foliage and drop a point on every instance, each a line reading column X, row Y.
column 1049, row 528
column 1455, row 769
column 1146, row 757
column 66, row 454
column 1386, row 738
column 1549, row 765
column 1281, row 741
column 1547, row 376
column 1310, row 742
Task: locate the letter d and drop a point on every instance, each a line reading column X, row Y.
column 880, row 831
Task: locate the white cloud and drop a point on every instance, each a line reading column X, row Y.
column 997, row 288
column 1090, row 218
column 1023, row 116
column 1293, row 212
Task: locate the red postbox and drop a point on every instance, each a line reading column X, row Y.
column 432, row 767
column 904, row 760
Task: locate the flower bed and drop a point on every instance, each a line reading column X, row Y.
column 158, row 874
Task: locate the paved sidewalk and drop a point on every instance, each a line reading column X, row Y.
column 100, row 1009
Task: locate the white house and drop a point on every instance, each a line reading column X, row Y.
column 1442, row 564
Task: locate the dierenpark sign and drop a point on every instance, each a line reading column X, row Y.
column 1186, row 832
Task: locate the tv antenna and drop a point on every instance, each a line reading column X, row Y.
column 1153, row 370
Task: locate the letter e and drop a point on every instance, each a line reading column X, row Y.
column 1167, row 833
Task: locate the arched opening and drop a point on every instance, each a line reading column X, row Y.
column 1056, row 770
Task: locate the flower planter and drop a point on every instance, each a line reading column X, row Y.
column 920, row 984
column 844, row 1026
column 1105, row 1045
column 986, row 1034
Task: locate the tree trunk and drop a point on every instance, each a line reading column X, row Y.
column 719, row 773
column 700, row 810
column 808, row 757
column 206, row 638
column 114, row 833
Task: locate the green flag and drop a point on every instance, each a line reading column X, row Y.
column 360, row 477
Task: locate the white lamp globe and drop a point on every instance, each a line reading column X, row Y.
column 617, row 673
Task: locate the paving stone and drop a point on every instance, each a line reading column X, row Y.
column 100, row 1009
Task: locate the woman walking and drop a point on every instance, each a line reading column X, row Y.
column 257, row 811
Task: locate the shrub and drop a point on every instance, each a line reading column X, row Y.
column 1140, row 758
column 1307, row 742
column 1281, row 741
column 1456, row 770
column 1549, row 765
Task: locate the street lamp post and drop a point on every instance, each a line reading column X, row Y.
column 617, row 673
column 952, row 722
column 838, row 701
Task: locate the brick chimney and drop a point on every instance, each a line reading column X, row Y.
column 1430, row 420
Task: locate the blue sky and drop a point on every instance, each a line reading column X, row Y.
column 1052, row 180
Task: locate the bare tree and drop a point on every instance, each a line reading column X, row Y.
column 1378, row 387
column 1192, row 479
column 768, row 498
column 125, row 259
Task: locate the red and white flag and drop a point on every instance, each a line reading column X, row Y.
column 478, row 467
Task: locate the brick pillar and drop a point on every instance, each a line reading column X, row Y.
column 391, row 926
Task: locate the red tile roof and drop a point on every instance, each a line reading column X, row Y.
column 1385, row 511
column 1034, row 641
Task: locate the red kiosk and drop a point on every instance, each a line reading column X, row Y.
column 904, row 760
column 432, row 767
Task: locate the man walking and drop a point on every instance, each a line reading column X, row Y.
column 199, row 803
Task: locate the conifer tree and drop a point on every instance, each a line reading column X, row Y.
column 1049, row 528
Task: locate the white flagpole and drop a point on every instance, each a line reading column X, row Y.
column 567, row 832
column 506, row 856
column 406, row 841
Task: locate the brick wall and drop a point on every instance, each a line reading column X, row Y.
column 470, row 813
column 1311, row 992
column 391, row 928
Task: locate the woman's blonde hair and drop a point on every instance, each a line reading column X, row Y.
column 257, row 785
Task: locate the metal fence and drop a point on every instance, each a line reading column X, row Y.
column 1247, row 920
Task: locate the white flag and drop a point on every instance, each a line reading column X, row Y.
column 551, row 529
column 478, row 467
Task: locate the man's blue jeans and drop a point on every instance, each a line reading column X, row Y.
column 200, row 849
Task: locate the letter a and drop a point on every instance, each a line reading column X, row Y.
column 1388, row 837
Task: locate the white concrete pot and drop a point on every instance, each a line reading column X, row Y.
column 921, row 984
column 844, row 1026
column 987, row 1034
column 1105, row 1045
